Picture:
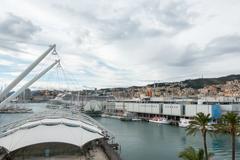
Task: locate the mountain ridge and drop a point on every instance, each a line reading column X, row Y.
column 202, row 82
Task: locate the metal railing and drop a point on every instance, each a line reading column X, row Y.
column 55, row 114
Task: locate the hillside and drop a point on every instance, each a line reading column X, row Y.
column 201, row 82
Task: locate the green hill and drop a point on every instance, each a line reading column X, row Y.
column 201, row 82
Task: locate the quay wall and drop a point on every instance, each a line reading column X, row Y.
column 108, row 149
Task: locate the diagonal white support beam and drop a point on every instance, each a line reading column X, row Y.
column 17, row 93
column 25, row 73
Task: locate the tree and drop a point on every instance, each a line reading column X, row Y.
column 230, row 123
column 191, row 154
column 200, row 123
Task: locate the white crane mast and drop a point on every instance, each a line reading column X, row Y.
column 25, row 73
column 14, row 95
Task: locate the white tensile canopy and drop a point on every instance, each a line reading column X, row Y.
column 50, row 130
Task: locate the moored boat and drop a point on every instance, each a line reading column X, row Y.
column 136, row 119
column 126, row 119
column 160, row 120
column 129, row 117
column 211, row 127
column 184, row 122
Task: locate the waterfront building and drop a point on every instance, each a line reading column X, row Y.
column 172, row 109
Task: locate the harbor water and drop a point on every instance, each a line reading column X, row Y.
column 149, row 141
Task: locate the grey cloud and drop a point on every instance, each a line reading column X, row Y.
column 224, row 45
column 14, row 30
column 9, row 45
column 170, row 19
column 100, row 63
column 192, row 55
column 174, row 14
column 17, row 27
column 124, row 28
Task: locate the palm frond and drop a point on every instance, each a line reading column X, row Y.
column 191, row 154
column 228, row 123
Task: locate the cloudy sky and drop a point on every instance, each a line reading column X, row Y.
column 105, row 43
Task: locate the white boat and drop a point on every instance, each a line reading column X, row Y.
column 136, row 119
column 210, row 126
column 160, row 120
column 127, row 116
column 184, row 122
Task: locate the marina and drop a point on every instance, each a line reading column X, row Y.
column 162, row 141
column 157, row 141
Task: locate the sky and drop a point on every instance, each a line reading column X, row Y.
column 120, row 43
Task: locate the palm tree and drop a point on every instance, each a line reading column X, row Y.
column 191, row 154
column 230, row 123
column 200, row 123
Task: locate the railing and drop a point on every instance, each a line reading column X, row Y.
column 110, row 150
column 55, row 115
